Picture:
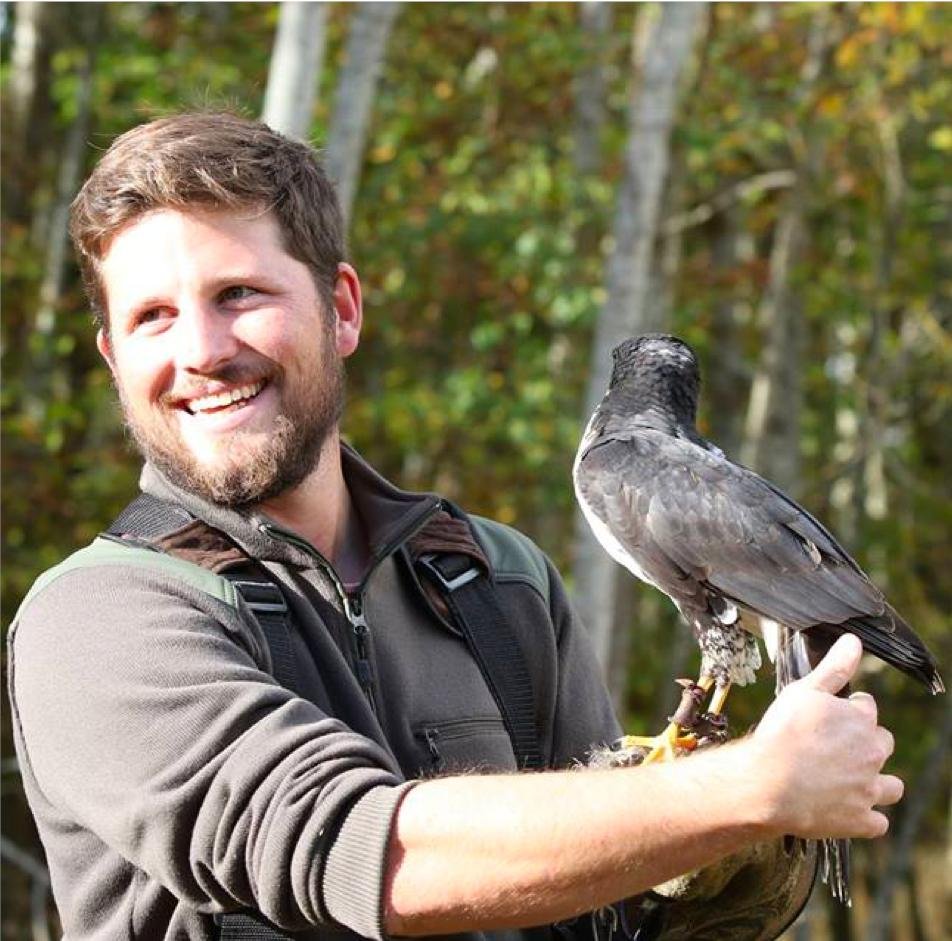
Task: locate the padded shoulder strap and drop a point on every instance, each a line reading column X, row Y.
column 471, row 594
column 147, row 518
column 512, row 555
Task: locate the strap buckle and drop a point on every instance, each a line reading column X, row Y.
column 262, row 596
column 449, row 582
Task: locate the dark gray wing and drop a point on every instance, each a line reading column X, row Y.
column 692, row 520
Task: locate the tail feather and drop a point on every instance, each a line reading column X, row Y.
column 888, row 637
column 835, row 868
column 792, row 656
column 793, row 663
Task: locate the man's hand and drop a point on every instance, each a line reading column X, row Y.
column 820, row 755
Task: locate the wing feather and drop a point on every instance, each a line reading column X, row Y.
column 716, row 522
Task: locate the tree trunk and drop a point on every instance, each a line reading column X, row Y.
column 44, row 381
column 727, row 376
column 665, row 43
column 918, row 799
column 370, row 27
column 70, row 171
column 589, row 117
column 878, row 379
column 772, row 433
column 588, row 123
column 669, row 244
column 294, row 73
column 27, row 107
column 915, row 910
column 846, row 494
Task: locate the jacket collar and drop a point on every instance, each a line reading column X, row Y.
column 390, row 515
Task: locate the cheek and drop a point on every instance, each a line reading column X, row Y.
column 143, row 373
column 267, row 333
column 283, row 337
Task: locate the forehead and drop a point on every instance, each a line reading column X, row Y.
column 167, row 247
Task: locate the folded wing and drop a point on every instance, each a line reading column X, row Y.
column 696, row 524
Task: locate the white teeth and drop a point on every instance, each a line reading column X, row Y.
column 209, row 402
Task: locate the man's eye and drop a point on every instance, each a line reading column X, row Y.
column 237, row 292
column 151, row 315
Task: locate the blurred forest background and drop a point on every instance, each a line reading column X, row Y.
column 526, row 185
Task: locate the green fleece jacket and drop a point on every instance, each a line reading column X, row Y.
column 172, row 778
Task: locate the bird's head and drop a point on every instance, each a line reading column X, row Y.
column 660, row 372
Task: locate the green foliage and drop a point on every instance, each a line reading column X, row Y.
column 481, row 252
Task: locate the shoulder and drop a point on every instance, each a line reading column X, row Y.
column 512, row 555
column 115, row 593
column 95, row 561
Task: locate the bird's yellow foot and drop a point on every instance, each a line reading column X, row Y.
column 662, row 747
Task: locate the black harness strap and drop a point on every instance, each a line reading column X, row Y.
column 269, row 607
column 470, row 595
column 148, row 517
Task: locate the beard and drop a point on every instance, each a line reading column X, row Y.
column 245, row 472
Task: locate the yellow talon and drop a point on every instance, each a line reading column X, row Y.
column 662, row 747
column 666, row 745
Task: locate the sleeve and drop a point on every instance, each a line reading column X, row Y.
column 147, row 718
column 584, row 716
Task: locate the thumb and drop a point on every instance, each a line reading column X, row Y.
column 836, row 669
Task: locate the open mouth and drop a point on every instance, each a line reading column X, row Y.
column 228, row 401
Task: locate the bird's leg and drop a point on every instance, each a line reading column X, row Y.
column 718, row 699
column 712, row 725
column 664, row 746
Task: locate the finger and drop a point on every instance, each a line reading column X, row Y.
column 887, row 742
column 877, row 825
column 890, row 790
column 836, row 669
column 866, row 704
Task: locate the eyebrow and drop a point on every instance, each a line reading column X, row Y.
column 220, row 282
column 214, row 285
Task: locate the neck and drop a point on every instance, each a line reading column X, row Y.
column 668, row 409
column 320, row 509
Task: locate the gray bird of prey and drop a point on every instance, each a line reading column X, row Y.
column 737, row 556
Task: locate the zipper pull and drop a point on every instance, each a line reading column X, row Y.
column 432, row 737
column 358, row 623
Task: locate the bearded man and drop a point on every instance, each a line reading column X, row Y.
column 365, row 779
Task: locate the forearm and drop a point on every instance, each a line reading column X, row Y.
column 487, row 852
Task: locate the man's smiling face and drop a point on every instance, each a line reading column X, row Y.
column 229, row 372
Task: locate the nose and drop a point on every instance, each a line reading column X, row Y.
column 205, row 338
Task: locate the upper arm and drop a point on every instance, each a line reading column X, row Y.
column 145, row 716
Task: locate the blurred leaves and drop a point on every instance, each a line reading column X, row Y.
column 480, row 295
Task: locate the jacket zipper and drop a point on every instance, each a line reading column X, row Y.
column 461, row 728
column 360, row 631
column 434, row 733
column 353, row 603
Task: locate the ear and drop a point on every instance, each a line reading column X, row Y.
column 349, row 307
column 104, row 345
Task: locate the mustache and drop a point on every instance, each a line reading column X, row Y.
column 229, row 375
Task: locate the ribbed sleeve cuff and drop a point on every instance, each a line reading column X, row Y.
column 356, row 862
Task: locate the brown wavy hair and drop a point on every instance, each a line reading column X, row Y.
column 211, row 160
